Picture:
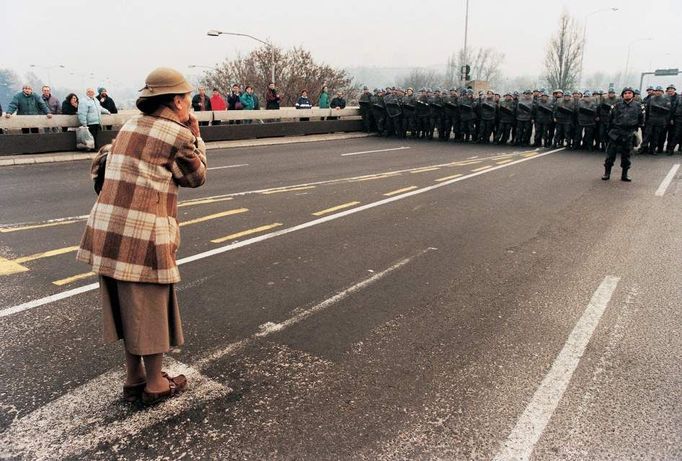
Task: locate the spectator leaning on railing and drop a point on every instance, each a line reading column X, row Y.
column 338, row 102
column 323, row 100
column 27, row 103
column 51, row 101
column 105, row 101
column 70, row 105
column 90, row 113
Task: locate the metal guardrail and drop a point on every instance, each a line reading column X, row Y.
column 17, row 122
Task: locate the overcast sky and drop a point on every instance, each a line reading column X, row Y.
column 120, row 41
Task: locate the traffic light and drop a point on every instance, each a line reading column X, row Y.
column 466, row 72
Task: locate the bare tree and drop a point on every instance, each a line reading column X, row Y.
column 485, row 65
column 421, row 78
column 295, row 69
column 562, row 61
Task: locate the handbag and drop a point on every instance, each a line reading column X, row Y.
column 98, row 167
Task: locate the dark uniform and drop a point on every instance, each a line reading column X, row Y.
column 605, row 105
column 488, row 115
column 423, row 114
column 467, row 116
column 563, row 116
column 676, row 121
column 366, row 109
column 437, row 115
column 657, row 120
column 409, row 113
column 506, row 120
column 524, row 119
column 674, row 101
column 379, row 112
column 451, row 110
column 586, row 119
column 624, row 119
column 394, row 123
column 543, row 114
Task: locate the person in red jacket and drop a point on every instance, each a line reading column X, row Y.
column 217, row 103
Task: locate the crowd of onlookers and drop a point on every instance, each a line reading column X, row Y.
column 93, row 104
column 88, row 108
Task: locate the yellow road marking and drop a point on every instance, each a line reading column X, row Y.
column 472, row 162
column 203, row 202
column 8, row 267
column 423, row 170
column 449, row 177
column 214, row 216
column 68, row 280
column 246, row 232
column 45, row 254
column 36, row 226
column 336, row 208
column 482, row 168
column 505, row 161
column 529, row 154
column 291, row 189
column 380, row 176
column 395, row 192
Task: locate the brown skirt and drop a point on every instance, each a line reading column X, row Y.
column 146, row 316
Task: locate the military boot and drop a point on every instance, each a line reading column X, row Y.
column 624, row 175
column 607, row 173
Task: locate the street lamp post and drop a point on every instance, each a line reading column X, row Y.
column 466, row 34
column 215, row 33
column 49, row 78
column 627, row 61
column 582, row 55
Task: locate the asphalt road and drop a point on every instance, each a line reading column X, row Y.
column 364, row 299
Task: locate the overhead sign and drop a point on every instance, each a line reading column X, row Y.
column 663, row 72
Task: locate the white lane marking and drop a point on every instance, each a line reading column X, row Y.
column 233, row 246
column 94, row 413
column 269, row 328
column 530, row 426
column 472, row 157
column 667, row 180
column 228, row 166
column 375, row 151
column 49, row 222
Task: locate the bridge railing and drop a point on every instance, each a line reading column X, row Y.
column 8, row 125
column 57, row 133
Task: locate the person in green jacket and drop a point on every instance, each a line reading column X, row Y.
column 248, row 101
column 323, row 101
column 27, row 103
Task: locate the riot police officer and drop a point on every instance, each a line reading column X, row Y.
column 488, row 115
column 657, row 118
column 524, row 118
column 625, row 117
column 423, row 113
column 394, row 112
column 451, row 111
column 467, row 116
column 379, row 111
column 586, row 121
column 507, row 118
column 366, row 109
column 604, row 108
column 543, row 115
column 563, row 118
column 409, row 114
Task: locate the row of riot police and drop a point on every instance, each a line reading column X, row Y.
column 575, row 120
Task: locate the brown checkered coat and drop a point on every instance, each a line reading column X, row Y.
column 132, row 233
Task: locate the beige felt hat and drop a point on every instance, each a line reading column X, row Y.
column 164, row 80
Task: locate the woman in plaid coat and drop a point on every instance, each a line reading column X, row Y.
column 132, row 235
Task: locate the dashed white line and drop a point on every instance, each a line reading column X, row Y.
column 228, row 166
column 530, row 426
column 375, row 151
column 667, row 180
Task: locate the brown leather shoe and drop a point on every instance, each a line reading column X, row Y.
column 176, row 386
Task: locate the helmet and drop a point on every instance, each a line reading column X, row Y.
column 587, row 93
column 659, row 88
column 671, row 86
column 559, row 91
column 612, row 89
column 627, row 88
column 650, row 87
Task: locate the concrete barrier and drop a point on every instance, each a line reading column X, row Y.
column 263, row 123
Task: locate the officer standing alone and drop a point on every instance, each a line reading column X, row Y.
column 624, row 119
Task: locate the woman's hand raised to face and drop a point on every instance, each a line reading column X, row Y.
column 193, row 124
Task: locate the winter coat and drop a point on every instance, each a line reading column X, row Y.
column 232, row 101
column 68, row 109
column 27, row 105
column 90, row 112
column 338, row 102
column 52, row 104
column 247, row 101
column 272, row 100
column 304, row 103
column 218, row 103
column 132, row 232
column 323, row 102
column 108, row 104
column 196, row 103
